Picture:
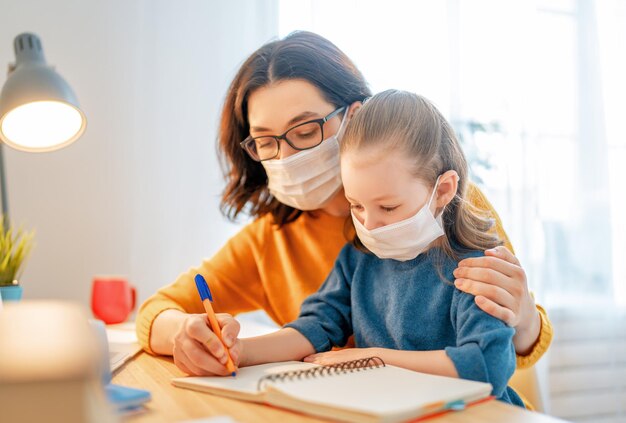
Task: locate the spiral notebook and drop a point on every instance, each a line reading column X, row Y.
column 356, row 391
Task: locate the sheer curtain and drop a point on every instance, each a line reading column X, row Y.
column 532, row 89
column 535, row 90
column 611, row 30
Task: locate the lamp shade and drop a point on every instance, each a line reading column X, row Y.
column 38, row 109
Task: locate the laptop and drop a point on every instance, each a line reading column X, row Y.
column 122, row 343
column 121, row 353
column 122, row 398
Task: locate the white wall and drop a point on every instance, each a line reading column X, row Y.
column 138, row 194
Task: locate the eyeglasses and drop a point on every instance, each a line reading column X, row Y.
column 300, row 137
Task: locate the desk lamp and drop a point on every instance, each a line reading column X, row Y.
column 38, row 110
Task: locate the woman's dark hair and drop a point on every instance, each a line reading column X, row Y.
column 300, row 55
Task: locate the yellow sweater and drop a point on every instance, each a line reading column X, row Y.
column 263, row 267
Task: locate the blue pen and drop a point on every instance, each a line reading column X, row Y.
column 207, row 298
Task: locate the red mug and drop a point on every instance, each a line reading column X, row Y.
column 112, row 299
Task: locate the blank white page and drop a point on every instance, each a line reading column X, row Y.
column 383, row 390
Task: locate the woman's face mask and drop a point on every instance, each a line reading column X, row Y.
column 304, row 179
column 310, row 178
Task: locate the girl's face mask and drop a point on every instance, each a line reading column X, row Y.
column 403, row 240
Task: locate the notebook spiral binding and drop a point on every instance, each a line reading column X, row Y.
column 321, row 371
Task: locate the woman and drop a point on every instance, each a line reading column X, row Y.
column 282, row 118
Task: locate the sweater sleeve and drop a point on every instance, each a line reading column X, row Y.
column 232, row 275
column 484, row 345
column 325, row 317
column 541, row 345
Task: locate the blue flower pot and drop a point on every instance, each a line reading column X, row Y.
column 11, row 293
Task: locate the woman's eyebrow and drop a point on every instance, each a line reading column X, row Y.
column 292, row 121
column 302, row 116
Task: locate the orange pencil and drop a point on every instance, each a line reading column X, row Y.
column 205, row 295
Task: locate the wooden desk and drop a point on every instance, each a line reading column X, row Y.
column 170, row 404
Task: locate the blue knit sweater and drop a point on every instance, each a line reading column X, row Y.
column 406, row 306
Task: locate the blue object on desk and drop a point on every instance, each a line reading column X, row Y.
column 123, row 398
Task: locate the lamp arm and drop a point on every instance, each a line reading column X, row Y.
column 3, row 191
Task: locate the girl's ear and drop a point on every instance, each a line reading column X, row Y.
column 447, row 188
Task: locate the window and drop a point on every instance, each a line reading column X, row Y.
column 533, row 91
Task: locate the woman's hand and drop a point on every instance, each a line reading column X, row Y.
column 499, row 284
column 199, row 352
column 334, row 357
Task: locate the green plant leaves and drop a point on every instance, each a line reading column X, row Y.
column 15, row 246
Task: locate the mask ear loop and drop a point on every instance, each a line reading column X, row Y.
column 432, row 195
column 343, row 124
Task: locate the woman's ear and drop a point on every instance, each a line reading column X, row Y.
column 352, row 109
column 447, row 188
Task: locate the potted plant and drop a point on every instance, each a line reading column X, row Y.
column 15, row 246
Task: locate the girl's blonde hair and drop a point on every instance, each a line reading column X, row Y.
column 399, row 121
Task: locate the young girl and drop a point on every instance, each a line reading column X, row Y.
column 405, row 177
